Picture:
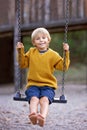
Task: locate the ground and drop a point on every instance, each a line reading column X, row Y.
column 70, row 116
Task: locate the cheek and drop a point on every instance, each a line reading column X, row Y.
column 34, row 42
column 48, row 42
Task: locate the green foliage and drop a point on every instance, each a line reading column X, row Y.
column 56, row 42
column 27, row 43
column 78, row 46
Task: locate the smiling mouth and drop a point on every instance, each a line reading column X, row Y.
column 41, row 44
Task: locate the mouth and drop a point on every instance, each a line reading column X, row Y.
column 42, row 44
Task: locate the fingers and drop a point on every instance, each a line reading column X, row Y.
column 66, row 46
column 19, row 45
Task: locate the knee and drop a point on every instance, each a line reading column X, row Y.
column 44, row 100
column 34, row 99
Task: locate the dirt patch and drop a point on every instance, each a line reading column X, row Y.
column 70, row 116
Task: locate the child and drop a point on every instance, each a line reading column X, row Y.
column 41, row 85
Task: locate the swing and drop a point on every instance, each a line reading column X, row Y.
column 21, row 97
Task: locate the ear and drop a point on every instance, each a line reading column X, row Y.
column 49, row 40
column 33, row 42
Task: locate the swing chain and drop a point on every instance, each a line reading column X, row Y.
column 65, row 41
column 18, row 15
column 66, row 19
column 19, row 19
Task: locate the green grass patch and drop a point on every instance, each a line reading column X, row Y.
column 75, row 74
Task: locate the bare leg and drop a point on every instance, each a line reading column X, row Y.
column 34, row 104
column 44, row 104
column 33, row 109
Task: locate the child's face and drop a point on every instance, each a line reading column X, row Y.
column 41, row 41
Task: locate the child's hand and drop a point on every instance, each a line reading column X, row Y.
column 65, row 46
column 19, row 45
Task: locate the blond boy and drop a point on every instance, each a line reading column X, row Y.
column 41, row 83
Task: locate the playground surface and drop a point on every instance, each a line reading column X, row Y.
column 70, row 116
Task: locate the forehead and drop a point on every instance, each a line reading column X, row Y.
column 41, row 34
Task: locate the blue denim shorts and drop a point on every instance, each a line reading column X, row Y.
column 40, row 92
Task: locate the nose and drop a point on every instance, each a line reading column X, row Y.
column 41, row 39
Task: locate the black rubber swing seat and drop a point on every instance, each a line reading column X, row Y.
column 20, row 97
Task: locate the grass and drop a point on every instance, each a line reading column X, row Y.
column 76, row 74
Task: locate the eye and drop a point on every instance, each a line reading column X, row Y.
column 43, row 37
column 37, row 38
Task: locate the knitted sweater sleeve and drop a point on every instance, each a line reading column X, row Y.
column 60, row 61
column 23, row 58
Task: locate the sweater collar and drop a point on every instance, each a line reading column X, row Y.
column 44, row 51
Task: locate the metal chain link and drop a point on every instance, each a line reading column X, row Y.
column 19, row 19
column 65, row 41
column 18, row 37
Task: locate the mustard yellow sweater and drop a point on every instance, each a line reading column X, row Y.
column 41, row 66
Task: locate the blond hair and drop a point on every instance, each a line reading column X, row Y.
column 40, row 30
